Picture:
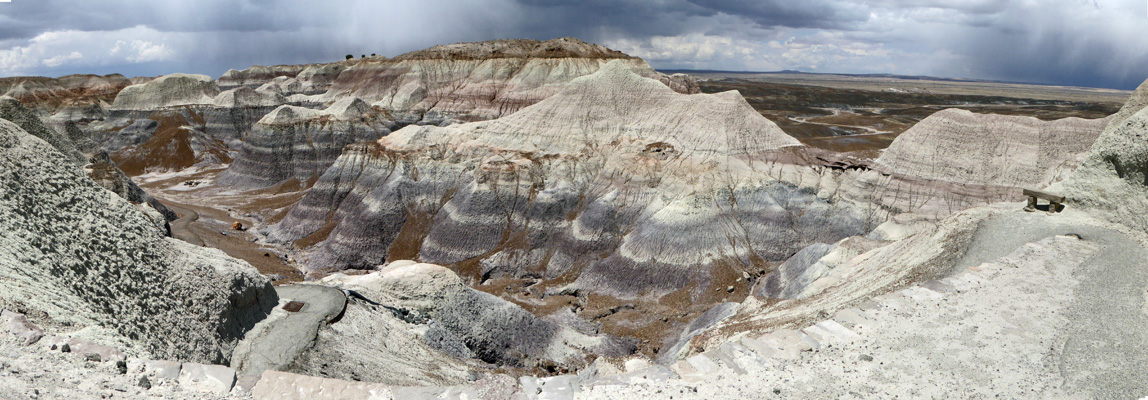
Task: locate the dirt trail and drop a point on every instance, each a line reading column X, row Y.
column 181, row 228
column 211, row 227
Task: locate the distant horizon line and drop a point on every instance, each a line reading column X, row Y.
column 879, row 75
column 671, row 71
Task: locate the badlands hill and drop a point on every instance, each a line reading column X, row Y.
column 570, row 206
column 56, row 94
column 300, row 143
column 478, row 81
column 991, row 150
column 554, row 219
column 203, row 121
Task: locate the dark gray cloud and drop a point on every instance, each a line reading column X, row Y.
column 1074, row 42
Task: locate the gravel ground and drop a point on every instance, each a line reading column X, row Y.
column 38, row 372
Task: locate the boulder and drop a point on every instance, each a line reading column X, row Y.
column 207, row 378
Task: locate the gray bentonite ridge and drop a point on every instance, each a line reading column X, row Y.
column 1113, row 179
column 85, row 256
column 14, row 111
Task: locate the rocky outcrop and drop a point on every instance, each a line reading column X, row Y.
column 12, row 110
column 479, row 81
column 79, row 138
column 794, row 273
column 300, row 143
column 440, row 329
column 83, row 256
column 1136, row 102
column 1113, row 179
column 167, row 91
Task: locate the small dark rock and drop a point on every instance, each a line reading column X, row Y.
column 122, row 367
column 65, row 348
column 93, row 357
column 144, row 383
column 865, row 357
column 776, row 391
column 54, row 347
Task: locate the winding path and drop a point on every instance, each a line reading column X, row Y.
column 181, row 228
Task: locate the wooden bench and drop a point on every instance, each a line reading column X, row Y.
column 1055, row 202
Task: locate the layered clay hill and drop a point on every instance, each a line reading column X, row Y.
column 479, row 81
column 64, row 94
column 531, row 219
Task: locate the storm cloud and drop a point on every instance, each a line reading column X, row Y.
column 1071, row 42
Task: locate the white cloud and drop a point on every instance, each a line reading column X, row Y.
column 63, row 59
column 802, row 50
column 692, row 50
column 70, row 47
column 140, row 51
column 1090, row 42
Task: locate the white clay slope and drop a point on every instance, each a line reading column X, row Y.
column 1113, row 179
column 618, row 108
column 989, row 149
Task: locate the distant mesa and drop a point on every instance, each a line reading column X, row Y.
column 479, row 81
column 167, row 91
column 66, row 91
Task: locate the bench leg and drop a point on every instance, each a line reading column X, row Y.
column 1031, row 204
column 1054, row 207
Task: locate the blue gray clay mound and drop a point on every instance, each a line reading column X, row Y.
column 300, row 143
column 84, row 256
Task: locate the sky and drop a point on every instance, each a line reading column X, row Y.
column 1095, row 43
